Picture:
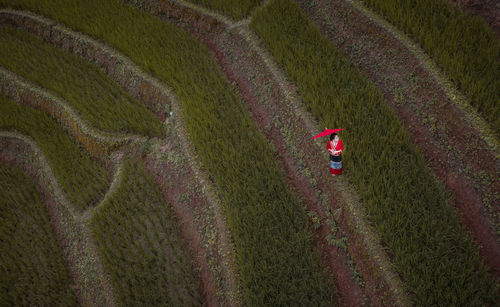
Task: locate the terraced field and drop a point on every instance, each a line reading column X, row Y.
column 167, row 147
column 33, row 271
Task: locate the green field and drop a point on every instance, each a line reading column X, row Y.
column 269, row 225
column 126, row 229
column 86, row 88
column 32, row 269
column 81, row 178
column 140, row 245
column 461, row 44
column 412, row 218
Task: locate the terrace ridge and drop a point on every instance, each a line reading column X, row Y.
column 96, row 142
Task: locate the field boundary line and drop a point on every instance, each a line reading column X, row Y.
column 94, row 141
column 348, row 198
column 458, row 99
column 81, row 260
column 118, row 68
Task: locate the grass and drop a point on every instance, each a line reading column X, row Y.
column 463, row 45
column 408, row 206
column 100, row 100
column 236, row 9
column 81, row 178
column 32, row 270
column 277, row 261
column 139, row 242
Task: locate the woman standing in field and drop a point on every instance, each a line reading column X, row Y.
column 335, row 148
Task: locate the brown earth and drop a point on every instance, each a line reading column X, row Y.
column 464, row 163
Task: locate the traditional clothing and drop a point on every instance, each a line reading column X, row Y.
column 335, row 159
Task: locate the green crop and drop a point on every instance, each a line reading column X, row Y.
column 407, row 205
column 140, row 245
column 32, row 270
column 461, row 44
column 277, row 261
column 235, row 9
column 100, row 100
column 83, row 180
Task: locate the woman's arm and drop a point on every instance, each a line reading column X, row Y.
column 339, row 148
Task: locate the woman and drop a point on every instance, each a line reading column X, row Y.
column 335, row 148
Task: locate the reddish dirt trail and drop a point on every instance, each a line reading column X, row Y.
column 465, row 164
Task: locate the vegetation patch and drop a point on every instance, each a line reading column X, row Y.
column 140, row 245
column 81, row 178
column 276, row 256
column 100, row 100
column 409, row 208
column 32, row 270
column 463, row 45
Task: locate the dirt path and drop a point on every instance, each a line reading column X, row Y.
column 202, row 225
column 342, row 233
column 460, row 152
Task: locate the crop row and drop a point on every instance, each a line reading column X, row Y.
column 407, row 205
column 462, row 44
column 83, row 180
column 140, row 245
column 277, row 260
column 32, row 270
column 86, row 88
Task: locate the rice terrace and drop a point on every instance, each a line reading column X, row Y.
column 174, row 153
